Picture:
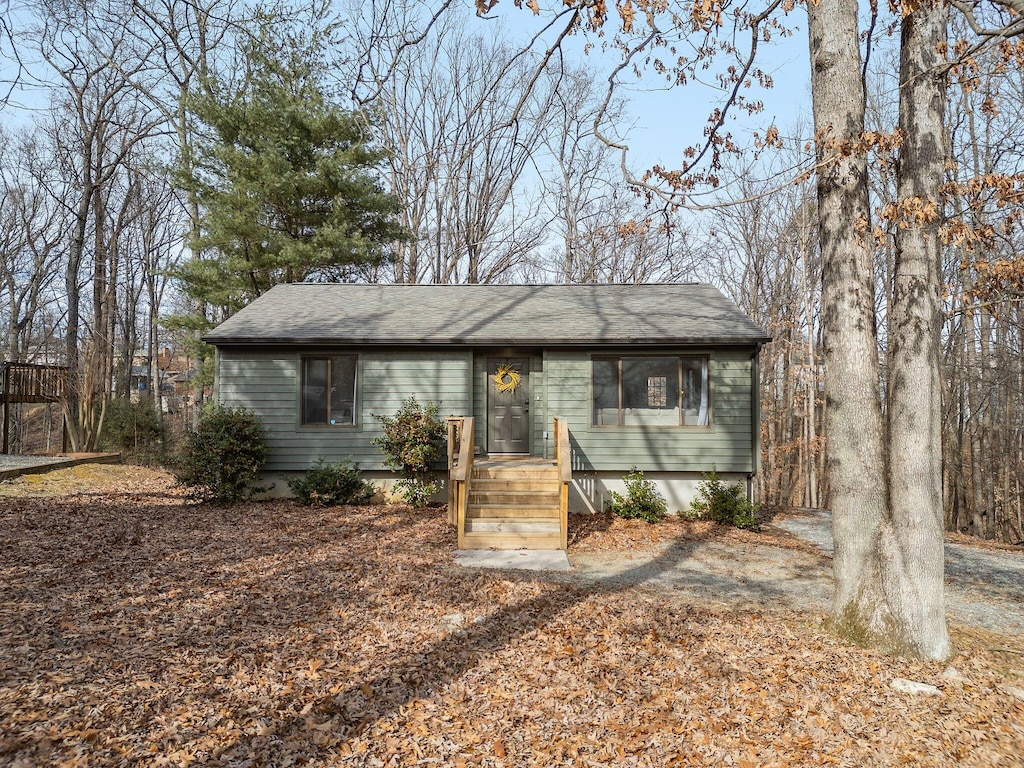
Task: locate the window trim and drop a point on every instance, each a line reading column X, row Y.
column 679, row 357
column 354, row 424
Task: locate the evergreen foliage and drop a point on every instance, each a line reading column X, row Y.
column 411, row 443
column 642, row 500
column 286, row 180
column 331, row 484
column 221, row 460
column 723, row 503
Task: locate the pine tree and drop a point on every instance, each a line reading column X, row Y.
column 286, row 179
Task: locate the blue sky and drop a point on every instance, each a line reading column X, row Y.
column 664, row 121
column 660, row 121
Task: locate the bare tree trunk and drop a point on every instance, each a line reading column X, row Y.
column 887, row 504
column 853, row 414
column 975, row 400
column 807, row 298
column 71, row 287
column 914, row 554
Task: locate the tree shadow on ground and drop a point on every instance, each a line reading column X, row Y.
column 404, row 675
column 167, row 593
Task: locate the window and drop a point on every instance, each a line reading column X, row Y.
column 329, row 390
column 650, row 391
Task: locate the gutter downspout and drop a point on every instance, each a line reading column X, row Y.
column 755, row 418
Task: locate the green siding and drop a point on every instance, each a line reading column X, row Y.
column 266, row 381
column 537, row 406
column 726, row 444
column 480, row 402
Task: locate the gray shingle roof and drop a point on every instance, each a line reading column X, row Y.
column 506, row 315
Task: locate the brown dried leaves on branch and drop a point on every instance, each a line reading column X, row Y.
column 136, row 628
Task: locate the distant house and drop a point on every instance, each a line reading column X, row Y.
column 663, row 377
column 140, row 381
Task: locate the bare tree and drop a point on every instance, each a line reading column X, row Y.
column 763, row 251
column 98, row 119
column 462, row 155
column 31, row 235
column 983, row 489
column 608, row 233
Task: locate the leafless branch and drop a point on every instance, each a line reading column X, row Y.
column 406, row 42
column 674, row 197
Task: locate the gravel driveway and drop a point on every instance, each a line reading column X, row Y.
column 983, row 588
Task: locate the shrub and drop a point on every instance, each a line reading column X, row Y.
column 412, row 441
column 135, row 430
column 330, row 484
column 221, row 460
column 723, row 503
column 642, row 500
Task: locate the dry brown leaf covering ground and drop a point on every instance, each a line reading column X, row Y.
column 992, row 546
column 605, row 531
column 137, row 629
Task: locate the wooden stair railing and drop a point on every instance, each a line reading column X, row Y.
column 563, row 457
column 512, row 506
column 460, row 471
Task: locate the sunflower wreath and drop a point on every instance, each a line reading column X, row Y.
column 506, row 379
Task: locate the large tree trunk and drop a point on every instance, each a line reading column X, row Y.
column 853, row 414
column 887, row 506
column 914, row 553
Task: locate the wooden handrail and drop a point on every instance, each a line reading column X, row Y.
column 464, row 465
column 563, row 457
column 460, row 471
column 563, row 450
column 29, row 383
column 453, row 457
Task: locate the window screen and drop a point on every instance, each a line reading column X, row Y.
column 329, row 390
column 650, row 391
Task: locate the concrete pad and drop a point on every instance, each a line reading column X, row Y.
column 522, row 559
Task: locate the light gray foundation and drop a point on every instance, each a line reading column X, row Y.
column 589, row 491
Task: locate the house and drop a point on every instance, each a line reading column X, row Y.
column 660, row 376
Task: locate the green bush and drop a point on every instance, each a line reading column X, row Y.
column 134, row 429
column 331, row 484
column 642, row 500
column 723, row 503
column 412, row 442
column 221, row 460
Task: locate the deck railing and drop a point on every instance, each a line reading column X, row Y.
column 460, row 471
column 30, row 383
column 563, row 457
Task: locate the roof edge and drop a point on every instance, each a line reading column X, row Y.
column 253, row 341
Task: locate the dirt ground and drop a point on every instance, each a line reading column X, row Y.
column 790, row 565
column 139, row 629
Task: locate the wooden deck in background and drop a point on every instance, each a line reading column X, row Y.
column 13, row 465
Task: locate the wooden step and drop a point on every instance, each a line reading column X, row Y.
column 510, row 533
column 514, row 484
column 512, row 510
column 544, row 472
column 513, row 505
column 526, row 497
column 509, row 541
column 536, row 526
